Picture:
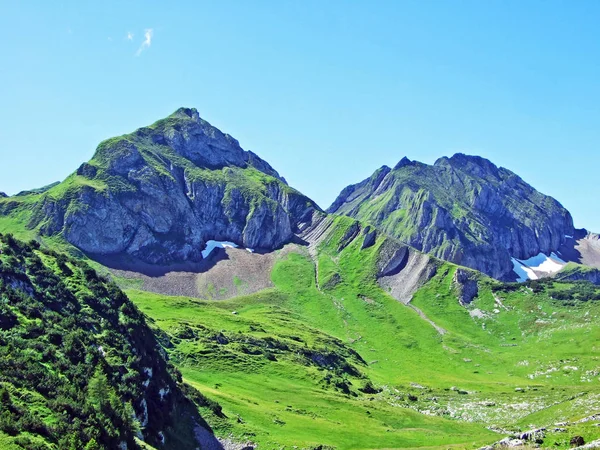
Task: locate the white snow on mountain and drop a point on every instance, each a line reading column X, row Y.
column 211, row 245
column 537, row 266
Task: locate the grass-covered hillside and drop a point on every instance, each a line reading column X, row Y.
column 328, row 358
column 79, row 367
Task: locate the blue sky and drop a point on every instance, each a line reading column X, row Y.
column 325, row 91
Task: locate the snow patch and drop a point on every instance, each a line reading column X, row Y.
column 250, row 250
column 161, row 436
column 526, row 268
column 523, row 273
column 211, row 245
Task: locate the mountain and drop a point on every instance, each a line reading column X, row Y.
column 79, row 366
column 160, row 193
column 462, row 209
column 339, row 333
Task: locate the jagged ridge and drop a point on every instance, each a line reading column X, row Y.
column 462, row 209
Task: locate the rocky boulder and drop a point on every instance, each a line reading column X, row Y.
column 465, row 283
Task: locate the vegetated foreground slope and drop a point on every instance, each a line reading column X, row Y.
column 461, row 209
column 160, row 193
column 327, row 357
column 79, row 367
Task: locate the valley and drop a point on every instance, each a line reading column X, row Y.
column 529, row 363
column 395, row 320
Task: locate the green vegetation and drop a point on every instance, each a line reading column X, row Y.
column 77, row 359
column 515, row 359
column 326, row 358
column 284, row 382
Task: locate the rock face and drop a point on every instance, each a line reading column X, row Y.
column 465, row 282
column 582, row 248
column 462, row 209
column 160, row 193
column 575, row 272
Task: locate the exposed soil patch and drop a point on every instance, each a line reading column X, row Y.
column 414, row 271
column 226, row 273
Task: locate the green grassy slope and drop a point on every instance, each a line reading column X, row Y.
column 513, row 359
column 79, row 367
column 283, row 382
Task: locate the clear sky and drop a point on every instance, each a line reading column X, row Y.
column 326, row 91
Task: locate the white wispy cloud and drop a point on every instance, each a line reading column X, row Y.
column 129, row 36
column 147, row 41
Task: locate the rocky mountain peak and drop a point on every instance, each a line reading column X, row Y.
column 160, row 193
column 463, row 209
column 189, row 136
column 475, row 165
column 184, row 112
column 403, row 163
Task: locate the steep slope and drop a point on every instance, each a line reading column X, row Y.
column 462, row 209
column 160, row 193
column 583, row 248
column 79, row 367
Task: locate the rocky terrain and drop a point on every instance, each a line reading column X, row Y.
column 462, row 209
column 160, row 193
column 370, row 326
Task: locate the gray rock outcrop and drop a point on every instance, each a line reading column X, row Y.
column 462, row 209
column 465, row 282
column 160, row 193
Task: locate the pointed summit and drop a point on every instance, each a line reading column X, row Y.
column 160, row 193
column 403, row 163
